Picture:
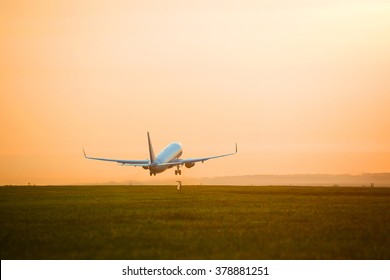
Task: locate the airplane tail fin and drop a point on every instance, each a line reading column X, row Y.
column 151, row 152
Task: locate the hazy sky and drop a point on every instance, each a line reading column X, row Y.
column 302, row 86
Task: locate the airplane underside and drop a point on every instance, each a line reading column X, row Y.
column 159, row 169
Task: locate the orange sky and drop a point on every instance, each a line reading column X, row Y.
column 302, row 86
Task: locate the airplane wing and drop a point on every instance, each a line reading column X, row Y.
column 121, row 161
column 193, row 160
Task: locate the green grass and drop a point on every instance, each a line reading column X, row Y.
column 201, row 222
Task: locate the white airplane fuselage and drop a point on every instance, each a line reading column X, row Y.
column 170, row 152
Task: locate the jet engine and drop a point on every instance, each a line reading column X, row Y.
column 189, row 164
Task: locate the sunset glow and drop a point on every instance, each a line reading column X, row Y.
column 302, row 86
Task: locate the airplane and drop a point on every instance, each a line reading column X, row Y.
column 167, row 158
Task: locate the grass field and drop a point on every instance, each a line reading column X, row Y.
column 201, row 222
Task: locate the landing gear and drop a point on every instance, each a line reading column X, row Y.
column 178, row 171
column 152, row 173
